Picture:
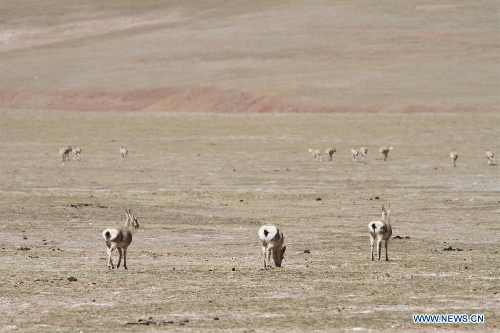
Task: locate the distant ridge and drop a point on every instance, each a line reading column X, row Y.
column 183, row 99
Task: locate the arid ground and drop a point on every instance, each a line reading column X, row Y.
column 218, row 103
column 202, row 184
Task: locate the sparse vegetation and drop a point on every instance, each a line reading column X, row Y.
column 268, row 79
column 200, row 215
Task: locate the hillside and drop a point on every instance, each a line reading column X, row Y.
column 250, row 56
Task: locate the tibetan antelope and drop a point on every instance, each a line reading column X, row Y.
column 354, row 154
column 329, row 152
column 453, row 157
column 316, row 154
column 382, row 231
column 384, row 152
column 123, row 152
column 271, row 240
column 489, row 156
column 76, row 153
column 64, row 153
column 120, row 239
column 363, row 151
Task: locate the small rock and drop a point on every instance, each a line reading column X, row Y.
column 408, row 277
column 307, row 251
column 216, row 318
column 72, row 279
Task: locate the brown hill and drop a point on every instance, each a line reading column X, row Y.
column 260, row 56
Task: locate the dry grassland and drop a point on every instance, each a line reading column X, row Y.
column 202, row 184
column 218, row 103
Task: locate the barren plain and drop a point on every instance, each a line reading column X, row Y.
column 218, row 103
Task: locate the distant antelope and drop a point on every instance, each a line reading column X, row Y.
column 363, row 151
column 316, row 154
column 354, row 154
column 76, row 153
column 64, row 153
column 271, row 240
column 453, row 157
column 329, row 152
column 489, row 156
column 384, row 152
column 123, row 152
column 120, row 239
column 381, row 230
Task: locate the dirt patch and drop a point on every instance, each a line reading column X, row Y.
column 187, row 99
column 192, row 99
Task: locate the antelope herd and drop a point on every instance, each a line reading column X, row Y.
column 361, row 152
column 317, row 154
column 64, row 153
column 76, row 151
column 271, row 238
